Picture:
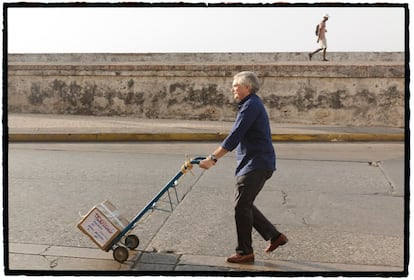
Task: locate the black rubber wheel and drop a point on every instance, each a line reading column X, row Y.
column 132, row 241
column 120, row 254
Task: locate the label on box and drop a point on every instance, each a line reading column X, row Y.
column 99, row 228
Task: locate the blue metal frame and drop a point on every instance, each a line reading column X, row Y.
column 151, row 204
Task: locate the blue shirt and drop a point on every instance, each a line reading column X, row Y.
column 252, row 137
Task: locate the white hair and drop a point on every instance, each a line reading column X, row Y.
column 248, row 78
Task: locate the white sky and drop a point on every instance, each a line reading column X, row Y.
column 179, row 29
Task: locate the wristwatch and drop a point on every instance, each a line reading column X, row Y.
column 213, row 158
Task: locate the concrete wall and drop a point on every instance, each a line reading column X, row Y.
column 344, row 91
column 151, row 58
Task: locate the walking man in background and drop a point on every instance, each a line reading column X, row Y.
column 256, row 162
column 321, row 30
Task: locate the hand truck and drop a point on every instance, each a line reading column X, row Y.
column 123, row 240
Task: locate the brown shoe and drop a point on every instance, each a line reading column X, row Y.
column 280, row 241
column 237, row 258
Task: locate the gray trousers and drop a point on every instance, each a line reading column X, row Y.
column 247, row 215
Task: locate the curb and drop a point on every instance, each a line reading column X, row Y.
column 155, row 137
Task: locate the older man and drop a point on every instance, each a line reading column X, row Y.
column 256, row 162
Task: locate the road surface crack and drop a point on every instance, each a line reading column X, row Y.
column 392, row 188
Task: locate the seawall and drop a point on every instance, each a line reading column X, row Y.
column 351, row 89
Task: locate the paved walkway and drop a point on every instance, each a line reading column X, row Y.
column 93, row 260
column 40, row 127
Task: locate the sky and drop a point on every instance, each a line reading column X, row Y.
column 199, row 29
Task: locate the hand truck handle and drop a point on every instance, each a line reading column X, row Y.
column 197, row 160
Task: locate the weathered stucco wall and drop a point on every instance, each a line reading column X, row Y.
column 199, row 57
column 343, row 92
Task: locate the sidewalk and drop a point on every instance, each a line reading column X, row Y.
column 62, row 128
column 92, row 261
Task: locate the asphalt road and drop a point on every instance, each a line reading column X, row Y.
column 337, row 202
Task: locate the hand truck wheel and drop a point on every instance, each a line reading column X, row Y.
column 120, row 254
column 131, row 241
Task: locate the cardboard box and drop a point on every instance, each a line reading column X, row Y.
column 102, row 224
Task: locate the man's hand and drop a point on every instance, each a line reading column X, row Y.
column 206, row 163
column 212, row 159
